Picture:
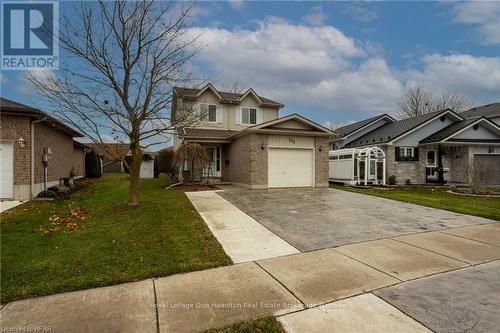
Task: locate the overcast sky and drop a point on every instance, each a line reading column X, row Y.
column 342, row 61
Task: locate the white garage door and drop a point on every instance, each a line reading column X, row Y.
column 6, row 170
column 290, row 167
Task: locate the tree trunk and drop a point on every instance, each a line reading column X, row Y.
column 135, row 170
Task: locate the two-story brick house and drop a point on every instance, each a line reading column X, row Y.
column 248, row 143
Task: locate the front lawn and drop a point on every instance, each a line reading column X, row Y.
column 436, row 198
column 263, row 325
column 95, row 239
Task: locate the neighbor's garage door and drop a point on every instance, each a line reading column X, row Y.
column 493, row 163
column 6, row 170
column 290, row 167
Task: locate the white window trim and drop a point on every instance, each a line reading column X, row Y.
column 427, row 160
column 256, row 115
column 404, row 150
column 208, row 114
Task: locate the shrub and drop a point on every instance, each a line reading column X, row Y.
column 47, row 194
column 166, row 163
column 392, row 180
column 92, row 164
column 479, row 175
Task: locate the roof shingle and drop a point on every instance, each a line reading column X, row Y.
column 230, row 96
column 488, row 110
column 348, row 129
column 390, row 131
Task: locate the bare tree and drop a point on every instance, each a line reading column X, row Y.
column 418, row 101
column 125, row 58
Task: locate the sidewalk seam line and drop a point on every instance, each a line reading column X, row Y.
column 156, row 307
column 282, row 284
column 444, row 255
column 385, row 273
column 403, row 312
column 444, row 232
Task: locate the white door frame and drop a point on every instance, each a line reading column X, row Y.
column 12, row 160
column 216, row 148
column 313, row 180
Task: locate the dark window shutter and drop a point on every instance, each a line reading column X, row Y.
column 396, row 152
column 415, row 153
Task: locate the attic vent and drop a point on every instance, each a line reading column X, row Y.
column 442, row 118
column 475, row 127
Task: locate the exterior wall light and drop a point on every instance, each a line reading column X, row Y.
column 320, row 148
column 22, row 142
column 263, row 146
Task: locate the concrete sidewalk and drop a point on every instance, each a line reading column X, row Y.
column 302, row 289
column 242, row 238
column 8, row 204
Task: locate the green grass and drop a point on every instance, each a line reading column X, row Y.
column 437, row 198
column 113, row 243
column 263, row 325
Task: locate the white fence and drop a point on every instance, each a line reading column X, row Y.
column 341, row 164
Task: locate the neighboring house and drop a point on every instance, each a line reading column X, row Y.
column 30, row 137
column 246, row 141
column 149, row 165
column 438, row 147
column 112, row 155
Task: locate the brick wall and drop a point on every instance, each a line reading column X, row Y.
column 12, row 128
column 63, row 155
column 321, row 162
column 405, row 170
column 238, row 169
column 79, row 161
column 258, row 160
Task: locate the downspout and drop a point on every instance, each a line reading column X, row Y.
column 32, row 176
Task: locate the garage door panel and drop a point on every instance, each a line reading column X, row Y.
column 493, row 163
column 6, row 170
column 289, row 167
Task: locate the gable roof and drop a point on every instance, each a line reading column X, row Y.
column 111, row 151
column 457, row 127
column 488, row 110
column 224, row 96
column 268, row 127
column 391, row 131
column 8, row 106
column 354, row 127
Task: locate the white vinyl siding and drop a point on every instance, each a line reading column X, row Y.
column 6, row 170
column 290, row 167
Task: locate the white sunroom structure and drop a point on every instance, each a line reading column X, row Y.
column 349, row 166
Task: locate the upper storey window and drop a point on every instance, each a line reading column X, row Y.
column 208, row 113
column 248, row 116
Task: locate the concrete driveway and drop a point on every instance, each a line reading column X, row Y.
column 312, row 219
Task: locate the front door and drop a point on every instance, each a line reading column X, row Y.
column 432, row 174
column 214, row 155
